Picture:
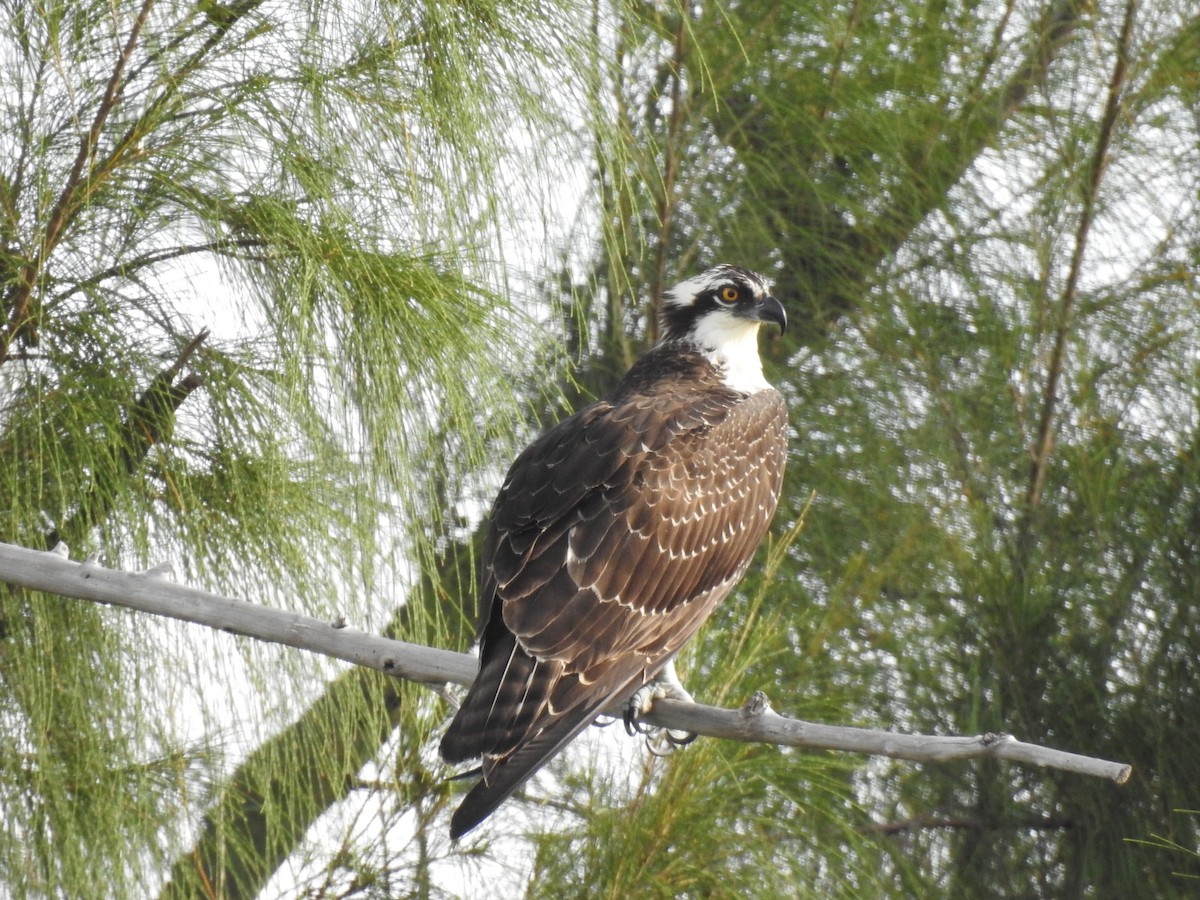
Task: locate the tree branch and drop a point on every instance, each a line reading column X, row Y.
column 150, row 419
column 148, row 592
column 826, row 273
column 1043, row 448
column 969, row 823
column 22, row 321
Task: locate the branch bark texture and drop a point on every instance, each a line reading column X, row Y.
column 152, row 593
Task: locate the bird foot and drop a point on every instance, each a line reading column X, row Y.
column 666, row 685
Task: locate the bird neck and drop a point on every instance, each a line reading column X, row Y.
column 733, row 351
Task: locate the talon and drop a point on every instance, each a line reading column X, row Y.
column 680, row 738
column 656, row 750
column 665, row 741
column 639, row 703
column 665, row 685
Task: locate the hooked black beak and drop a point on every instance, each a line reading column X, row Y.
column 768, row 309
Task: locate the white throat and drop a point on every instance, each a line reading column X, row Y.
column 732, row 346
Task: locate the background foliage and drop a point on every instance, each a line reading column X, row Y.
column 271, row 272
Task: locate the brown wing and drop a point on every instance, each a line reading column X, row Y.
column 614, row 536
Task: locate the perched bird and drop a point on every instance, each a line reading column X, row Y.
column 618, row 531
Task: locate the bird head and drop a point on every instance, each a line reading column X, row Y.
column 719, row 312
column 721, row 304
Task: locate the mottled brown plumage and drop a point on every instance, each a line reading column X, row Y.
column 613, row 537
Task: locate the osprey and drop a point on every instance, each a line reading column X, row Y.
column 618, row 531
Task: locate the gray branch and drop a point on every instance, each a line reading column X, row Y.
column 52, row 572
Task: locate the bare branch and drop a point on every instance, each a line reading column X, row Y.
column 757, row 722
column 148, row 592
column 21, row 319
column 969, row 823
column 1044, row 446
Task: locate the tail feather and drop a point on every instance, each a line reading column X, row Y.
column 505, row 773
column 519, row 713
column 509, row 773
column 502, row 705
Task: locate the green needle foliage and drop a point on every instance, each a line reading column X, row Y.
column 252, row 271
column 984, row 225
column 250, row 288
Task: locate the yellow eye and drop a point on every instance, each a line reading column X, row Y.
column 729, row 294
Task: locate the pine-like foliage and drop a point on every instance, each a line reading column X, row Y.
column 250, row 266
column 251, row 285
column 984, row 225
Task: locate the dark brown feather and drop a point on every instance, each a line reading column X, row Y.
column 615, row 534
